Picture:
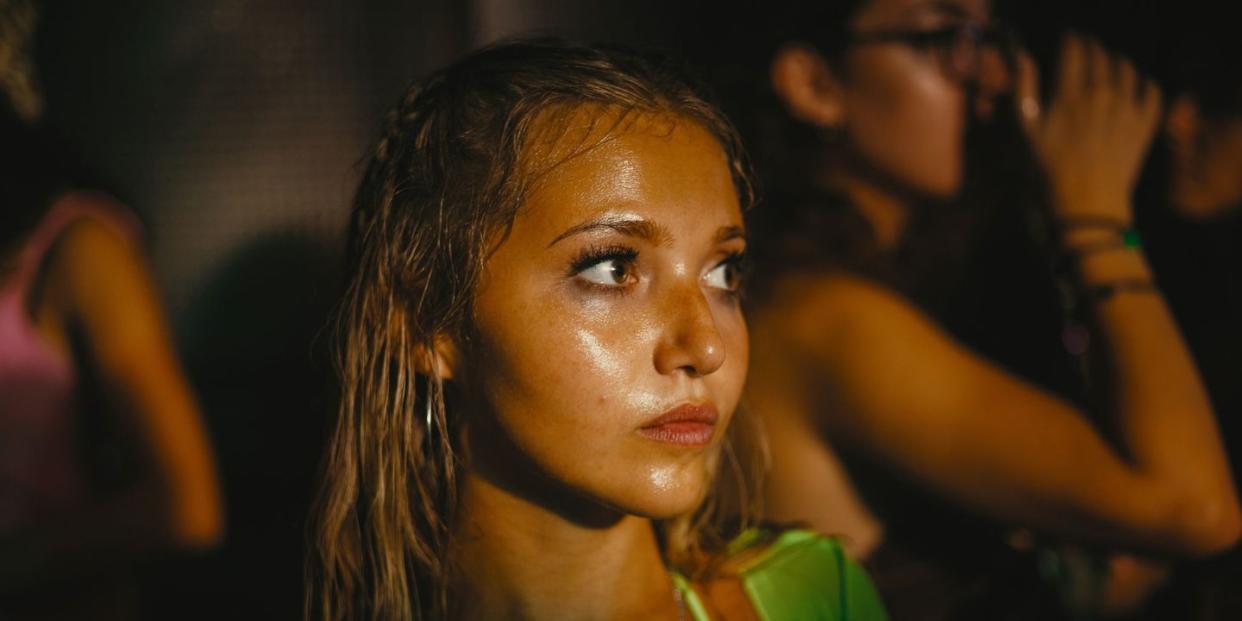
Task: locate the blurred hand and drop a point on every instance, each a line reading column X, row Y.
column 1131, row 583
column 1092, row 137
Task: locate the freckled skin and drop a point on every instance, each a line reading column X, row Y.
column 567, row 371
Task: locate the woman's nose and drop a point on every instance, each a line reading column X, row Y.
column 690, row 340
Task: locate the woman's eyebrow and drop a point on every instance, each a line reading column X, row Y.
column 726, row 233
column 626, row 225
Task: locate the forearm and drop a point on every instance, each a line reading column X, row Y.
column 170, row 429
column 1163, row 415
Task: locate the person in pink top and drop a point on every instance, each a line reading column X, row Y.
column 82, row 338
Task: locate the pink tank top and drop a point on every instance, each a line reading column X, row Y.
column 39, row 466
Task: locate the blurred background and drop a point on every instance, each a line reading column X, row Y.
column 235, row 127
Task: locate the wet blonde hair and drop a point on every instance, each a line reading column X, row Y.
column 444, row 182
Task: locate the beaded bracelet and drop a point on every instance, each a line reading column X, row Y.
column 1127, row 239
column 1124, row 230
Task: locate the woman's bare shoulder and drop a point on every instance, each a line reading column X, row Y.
column 98, row 235
column 805, row 310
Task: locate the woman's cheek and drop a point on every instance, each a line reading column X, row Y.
column 908, row 120
column 737, row 361
column 603, row 333
column 596, row 355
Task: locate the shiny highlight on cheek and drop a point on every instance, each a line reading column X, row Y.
column 604, row 360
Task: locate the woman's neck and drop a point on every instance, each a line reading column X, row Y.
column 520, row 560
column 886, row 211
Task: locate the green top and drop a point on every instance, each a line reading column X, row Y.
column 801, row 576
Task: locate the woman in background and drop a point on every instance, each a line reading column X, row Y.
column 852, row 375
column 103, row 455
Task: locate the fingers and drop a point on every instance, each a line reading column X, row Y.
column 1099, row 82
column 1072, row 75
column 1110, row 84
column 1150, row 102
column 1026, row 92
column 1088, row 75
column 1126, row 78
column 1137, row 97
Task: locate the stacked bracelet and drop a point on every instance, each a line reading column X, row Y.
column 1105, row 291
column 1124, row 238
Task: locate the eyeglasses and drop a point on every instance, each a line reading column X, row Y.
column 958, row 48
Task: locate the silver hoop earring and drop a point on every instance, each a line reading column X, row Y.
column 427, row 399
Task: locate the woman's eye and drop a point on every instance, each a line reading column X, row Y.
column 608, row 272
column 725, row 276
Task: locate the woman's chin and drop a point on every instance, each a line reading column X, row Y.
column 672, row 497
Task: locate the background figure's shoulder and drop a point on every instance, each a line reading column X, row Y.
column 70, row 218
column 837, row 292
column 826, row 315
column 800, row 574
column 97, row 207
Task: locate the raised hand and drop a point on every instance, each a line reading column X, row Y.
column 1093, row 135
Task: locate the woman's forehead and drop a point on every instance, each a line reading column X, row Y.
column 612, row 145
column 561, row 133
column 653, row 168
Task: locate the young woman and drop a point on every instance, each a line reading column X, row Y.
column 103, row 455
column 850, row 374
column 543, row 353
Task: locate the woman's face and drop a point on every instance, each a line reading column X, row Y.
column 608, row 350
column 904, row 109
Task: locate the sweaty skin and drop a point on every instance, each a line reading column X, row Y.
column 611, row 302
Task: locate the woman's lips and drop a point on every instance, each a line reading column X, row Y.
column 685, row 425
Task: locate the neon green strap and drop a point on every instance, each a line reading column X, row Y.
column 796, row 575
column 689, row 597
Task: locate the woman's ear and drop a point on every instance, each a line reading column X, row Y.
column 806, row 84
column 440, row 359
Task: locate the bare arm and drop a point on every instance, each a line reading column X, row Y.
column 96, row 282
column 109, row 295
column 905, row 391
column 900, row 388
